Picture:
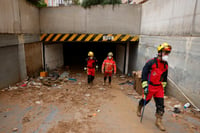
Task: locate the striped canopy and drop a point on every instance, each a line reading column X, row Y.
column 88, row 37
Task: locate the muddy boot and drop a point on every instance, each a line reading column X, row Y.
column 89, row 86
column 159, row 122
column 139, row 108
column 109, row 85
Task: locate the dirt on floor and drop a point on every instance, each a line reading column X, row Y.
column 63, row 103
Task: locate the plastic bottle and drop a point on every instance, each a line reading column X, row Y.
column 186, row 105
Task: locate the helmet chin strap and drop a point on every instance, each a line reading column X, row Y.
column 160, row 55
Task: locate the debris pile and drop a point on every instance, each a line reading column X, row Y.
column 137, row 81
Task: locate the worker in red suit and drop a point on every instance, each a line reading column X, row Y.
column 91, row 66
column 154, row 81
column 108, row 67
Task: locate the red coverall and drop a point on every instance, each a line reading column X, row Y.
column 108, row 65
column 91, row 64
column 158, row 71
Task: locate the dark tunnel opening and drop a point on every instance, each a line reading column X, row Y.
column 75, row 53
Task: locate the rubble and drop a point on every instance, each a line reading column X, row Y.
column 74, row 96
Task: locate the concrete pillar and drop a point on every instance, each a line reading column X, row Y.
column 22, row 61
column 127, row 58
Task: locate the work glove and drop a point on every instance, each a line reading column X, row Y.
column 145, row 87
column 164, row 84
column 146, row 91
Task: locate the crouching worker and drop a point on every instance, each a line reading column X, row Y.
column 154, row 81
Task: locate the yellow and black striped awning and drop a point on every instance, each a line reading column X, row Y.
column 88, row 37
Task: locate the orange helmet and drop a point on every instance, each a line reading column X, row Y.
column 164, row 47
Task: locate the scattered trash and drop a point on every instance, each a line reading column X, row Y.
column 72, row 79
column 54, row 85
column 37, row 86
column 89, row 115
column 78, row 74
column 38, row 102
column 79, row 83
column 194, row 127
column 23, row 85
column 65, row 79
column 176, row 110
column 138, row 97
column 54, row 75
column 87, row 95
column 174, row 115
column 94, row 114
column 43, row 74
column 101, row 89
column 25, row 119
column 12, row 88
column 40, row 94
column 64, row 75
column 187, row 105
column 35, row 83
column 127, row 82
column 122, row 76
column 177, row 106
column 15, row 129
column 98, row 110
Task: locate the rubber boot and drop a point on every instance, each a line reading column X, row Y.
column 139, row 108
column 89, row 86
column 159, row 123
column 109, row 85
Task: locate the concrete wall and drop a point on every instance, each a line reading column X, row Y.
column 18, row 16
column 33, row 53
column 120, row 56
column 54, row 56
column 124, row 19
column 178, row 23
column 9, row 68
column 19, row 24
column 133, row 54
column 171, row 17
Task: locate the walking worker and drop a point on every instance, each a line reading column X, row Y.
column 107, row 67
column 91, row 66
column 154, row 81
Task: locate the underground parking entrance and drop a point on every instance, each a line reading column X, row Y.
column 72, row 54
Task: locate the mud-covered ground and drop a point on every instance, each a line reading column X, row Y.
column 66, row 105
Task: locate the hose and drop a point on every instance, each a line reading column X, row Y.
column 184, row 94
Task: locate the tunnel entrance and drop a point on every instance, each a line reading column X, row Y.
column 75, row 53
column 72, row 49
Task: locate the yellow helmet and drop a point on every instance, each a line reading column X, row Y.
column 90, row 53
column 110, row 54
column 164, row 47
